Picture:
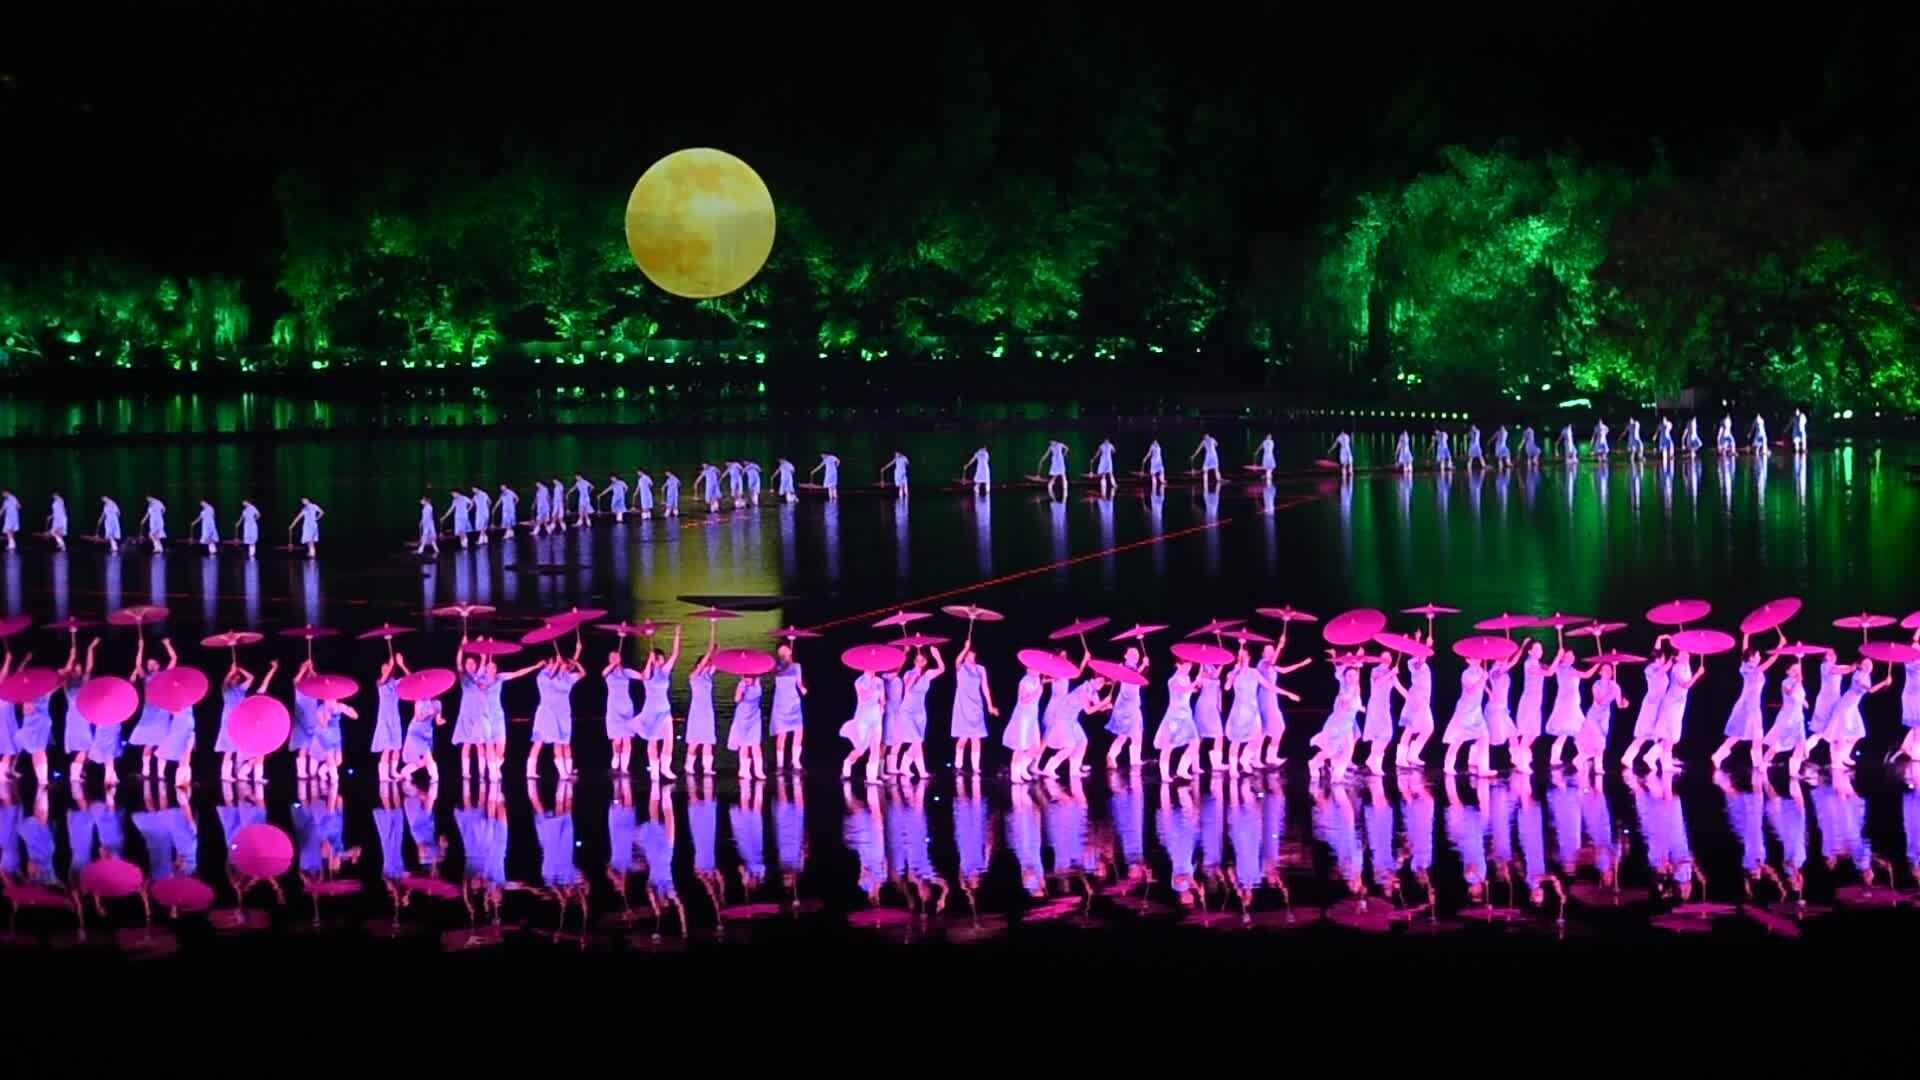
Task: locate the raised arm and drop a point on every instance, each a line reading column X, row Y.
column 267, row 679
column 673, row 657
column 939, row 665
column 139, row 659
column 173, row 657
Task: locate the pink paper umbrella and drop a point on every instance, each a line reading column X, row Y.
column 1613, row 657
column 575, row 617
column 182, row 894
column 1138, row 632
column 137, row 615
column 901, row 619
column 1890, row 652
column 462, row 611
column 261, row 851
column 716, row 614
column 68, row 625
column 107, row 700
column 14, row 624
column 1800, row 650
column 1430, row 610
column 1288, row 614
column 1678, row 612
column 259, row 725
column 111, row 877
column 1078, row 627
column 1508, row 623
column 29, row 684
column 872, row 658
column 746, row 663
column 1046, row 664
column 1484, row 648
column 177, row 688
column 232, row 639
column 1863, row 623
column 1216, row 627
column 422, row 685
column 1769, row 615
column 920, row 641
column 1197, row 652
column 1702, row 642
column 1355, row 627
column 1248, row 637
column 793, row 633
column 384, row 632
column 624, row 629
column 309, row 632
column 490, row 647
column 328, row 687
column 543, row 634
column 972, row 613
column 1596, row 630
column 1911, row 622
column 1401, row 643
column 1118, row 672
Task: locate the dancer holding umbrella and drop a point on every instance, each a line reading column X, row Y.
column 864, row 731
column 787, row 719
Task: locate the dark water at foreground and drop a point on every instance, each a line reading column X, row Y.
column 963, row 859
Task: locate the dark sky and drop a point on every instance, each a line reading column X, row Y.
column 159, row 130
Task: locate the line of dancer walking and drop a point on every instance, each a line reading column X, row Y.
column 151, row 528
column 1498, row 453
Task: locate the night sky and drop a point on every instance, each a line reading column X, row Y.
column 160, row 132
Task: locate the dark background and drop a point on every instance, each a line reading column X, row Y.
column 217, row 141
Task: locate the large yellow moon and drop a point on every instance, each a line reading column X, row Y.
column 700, row 223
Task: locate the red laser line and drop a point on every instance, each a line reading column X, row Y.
column 1004, row 578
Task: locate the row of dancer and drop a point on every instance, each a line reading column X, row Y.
column 1499, row 454
column 151, row 529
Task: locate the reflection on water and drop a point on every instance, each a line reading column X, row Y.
column 957, row 856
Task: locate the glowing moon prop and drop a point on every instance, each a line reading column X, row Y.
column 700, row 223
